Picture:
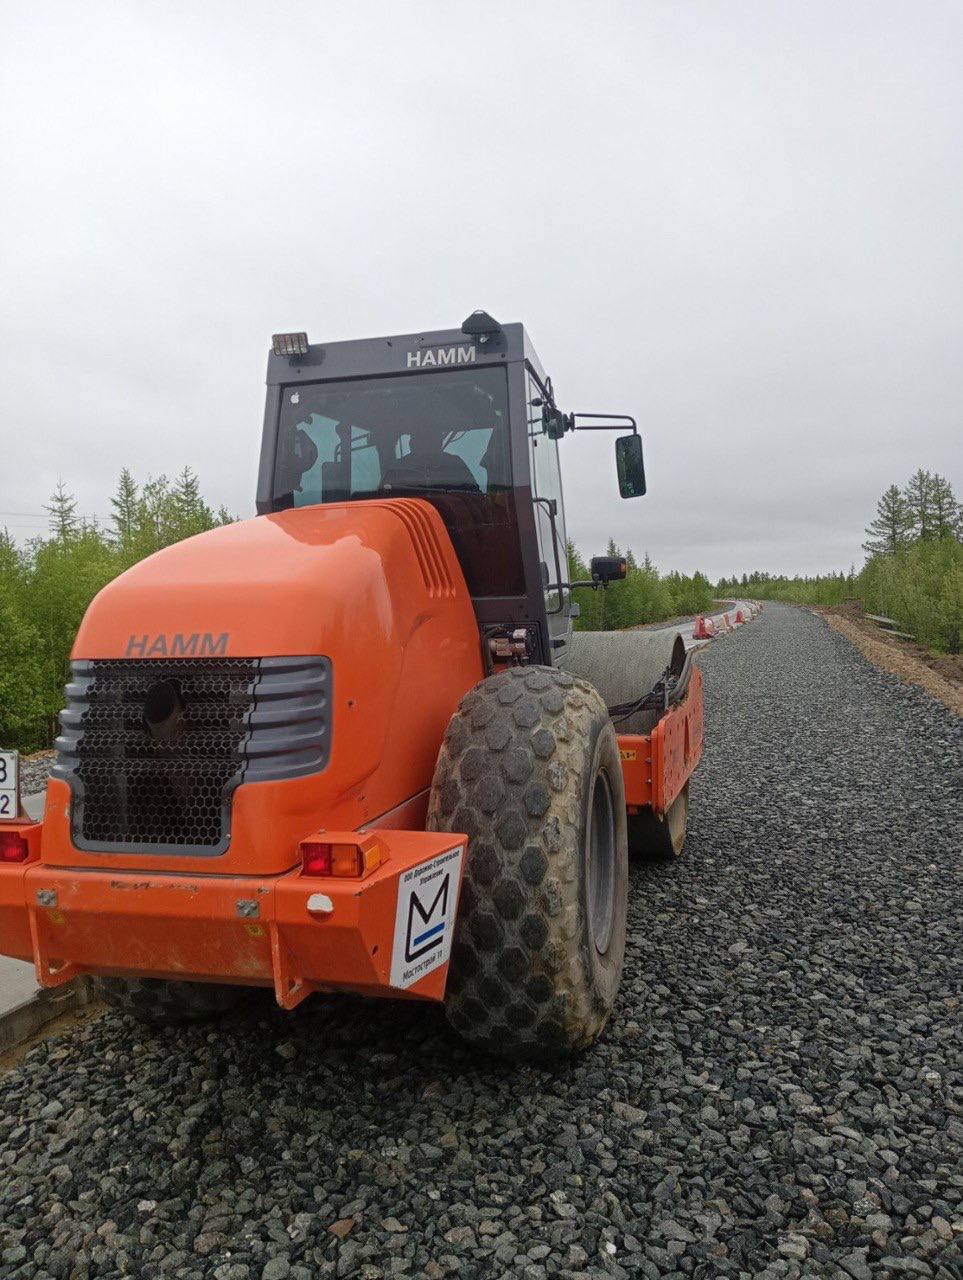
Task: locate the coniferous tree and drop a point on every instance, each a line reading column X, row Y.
column 189, row 512
column 124, row 504
column 892, row 528
column 919, row 499
column 947, row 512
column 62, row 507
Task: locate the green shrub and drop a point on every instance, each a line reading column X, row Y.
column 46, row 587
column 920, row 586
column 644, row 595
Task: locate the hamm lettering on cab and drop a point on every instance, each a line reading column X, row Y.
column 177, row 645
column 441, row 355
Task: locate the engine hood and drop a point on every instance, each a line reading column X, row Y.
column 376, row 588
column 299, row 582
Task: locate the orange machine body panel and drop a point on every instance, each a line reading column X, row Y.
column 375, row 587
column 656, row 766
column 251, row 930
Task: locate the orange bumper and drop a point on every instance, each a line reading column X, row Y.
column 656, row 766
column 386, row 934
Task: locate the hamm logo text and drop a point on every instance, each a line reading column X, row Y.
column 440, row 355
column 196, row 645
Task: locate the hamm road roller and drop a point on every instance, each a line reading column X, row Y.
column 354, row 744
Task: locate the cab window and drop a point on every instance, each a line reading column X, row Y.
column 442, row 436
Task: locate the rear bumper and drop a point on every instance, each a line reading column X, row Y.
column 386, row 934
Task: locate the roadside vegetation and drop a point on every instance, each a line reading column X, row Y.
column 644, row 596
column 913, row 571
column 46, row 585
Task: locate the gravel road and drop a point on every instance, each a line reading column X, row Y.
column 34, row 771
column 779, row 1093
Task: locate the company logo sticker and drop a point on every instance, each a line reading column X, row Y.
column 425, row 917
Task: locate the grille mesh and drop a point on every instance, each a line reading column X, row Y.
column 153, row 749
column 143, row 791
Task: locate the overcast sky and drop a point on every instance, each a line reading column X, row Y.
column 740, row 222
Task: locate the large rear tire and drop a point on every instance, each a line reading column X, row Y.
column 530, row 771
column 169, row 1004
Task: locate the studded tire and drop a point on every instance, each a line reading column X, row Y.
column 520, row 772
column 169, row 1004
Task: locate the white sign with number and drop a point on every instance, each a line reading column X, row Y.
column 9, row 785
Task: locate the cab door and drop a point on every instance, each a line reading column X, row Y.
column 549, row 511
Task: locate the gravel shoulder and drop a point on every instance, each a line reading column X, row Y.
column 938, row 674
column 778, row 1094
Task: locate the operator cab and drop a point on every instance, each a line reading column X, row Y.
column 465, row 419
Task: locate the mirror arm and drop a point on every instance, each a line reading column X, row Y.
column 612, row 422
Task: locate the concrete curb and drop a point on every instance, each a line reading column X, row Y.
column 26, row 1016
column 26, row 1019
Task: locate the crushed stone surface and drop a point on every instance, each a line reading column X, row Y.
column 778, row 1093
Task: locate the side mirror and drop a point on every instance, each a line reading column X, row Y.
column 607, row 569
column 630, row 466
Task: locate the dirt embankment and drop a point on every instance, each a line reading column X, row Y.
column 938, row 674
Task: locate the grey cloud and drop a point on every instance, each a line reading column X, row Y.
column 739, row 222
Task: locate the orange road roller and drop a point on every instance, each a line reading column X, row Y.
column 354, row 743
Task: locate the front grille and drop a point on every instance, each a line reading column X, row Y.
column 153, row 750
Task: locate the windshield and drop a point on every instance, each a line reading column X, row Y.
column 439, row 436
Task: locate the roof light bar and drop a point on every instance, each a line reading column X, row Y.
column 290, row 344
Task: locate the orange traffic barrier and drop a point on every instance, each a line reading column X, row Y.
column 704, row 628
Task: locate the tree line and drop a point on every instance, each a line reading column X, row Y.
column 913, row 573
column 924, row 510
column 46, row 586
column 643, row 596
column 913, row 570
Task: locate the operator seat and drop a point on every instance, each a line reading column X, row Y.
column 425, row 469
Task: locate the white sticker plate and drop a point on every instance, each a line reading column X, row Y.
column 9, row 785
column 425, row 917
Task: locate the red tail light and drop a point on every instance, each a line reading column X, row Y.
column 316, row 858
column 13, row 847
